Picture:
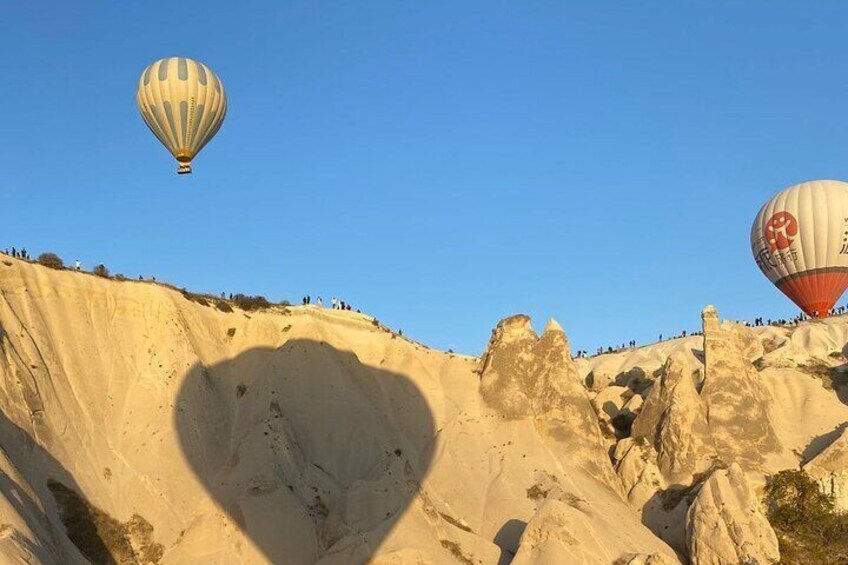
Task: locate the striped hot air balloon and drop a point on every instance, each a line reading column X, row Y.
column 183, row 103
column 800, row 242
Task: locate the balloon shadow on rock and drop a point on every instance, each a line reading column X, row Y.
column 310, row 452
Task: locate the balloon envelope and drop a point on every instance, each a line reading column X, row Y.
column 800, row 242
column 183, row 103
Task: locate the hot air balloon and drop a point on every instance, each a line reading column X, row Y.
column 183, row 103
column 800, row 242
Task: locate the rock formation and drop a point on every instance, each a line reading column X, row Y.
column 140, row 424
column 566, row 533
column 639, row 474
column 725, row 525
column 524, row 376
column 674, row 423
column 830, row 470
column 736, row 402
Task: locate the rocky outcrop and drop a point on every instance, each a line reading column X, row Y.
column 830, row 470
column 524, row 376
column 564, row 533
column 725, row 524
column 661, row 505
column 639, row 475
column 559, row 533
column 609, row 402
column 647, row 559
column 674, row 423
column 736, row 402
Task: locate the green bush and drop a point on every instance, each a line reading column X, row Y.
column 808, row 529
column 223, row 306
column 249, row 303
column 51, row 260
column 101, row 271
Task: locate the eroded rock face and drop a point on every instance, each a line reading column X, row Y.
column 559, row 533
column 523, row 376
column 725, row 524
column 736, row 402
column 637, row 471
column 830, row 470
column 674, row 422
column 562, row 533
column 649, row 559
column 610, row 401
column 508, row 379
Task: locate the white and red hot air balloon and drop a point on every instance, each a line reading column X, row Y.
column 800, row 242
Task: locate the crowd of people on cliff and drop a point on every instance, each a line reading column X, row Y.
column 338, row 304
column 335, row 303
column 758, row 322
column 22, row 254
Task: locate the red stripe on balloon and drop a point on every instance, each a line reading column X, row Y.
column 815, row 292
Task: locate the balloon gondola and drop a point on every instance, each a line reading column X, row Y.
column 184, row 104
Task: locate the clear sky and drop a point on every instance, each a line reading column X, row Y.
column 440, row 165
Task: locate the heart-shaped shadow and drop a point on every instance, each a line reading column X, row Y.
column 304, row 445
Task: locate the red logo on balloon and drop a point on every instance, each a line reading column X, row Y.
column 780, row 230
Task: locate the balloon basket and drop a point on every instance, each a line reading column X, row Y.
column 184, row 170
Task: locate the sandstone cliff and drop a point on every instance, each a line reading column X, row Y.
column 140, row 426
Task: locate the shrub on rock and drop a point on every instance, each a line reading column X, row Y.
column 51, row 260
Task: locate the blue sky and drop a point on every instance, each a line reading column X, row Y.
column 440, row 165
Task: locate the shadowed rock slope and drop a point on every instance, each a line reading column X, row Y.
column 137, row 426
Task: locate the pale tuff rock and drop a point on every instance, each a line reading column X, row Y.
column 820, row 338
column 557, row 534
column 553, row 326
column 637, row 471
column 523, row 376
column 508, row 381
column 648, row 492
column 830, row 470
column 649, row 559
column 623, row 421
column 309, row 436
column 709, row 319
column 610, row 401
column 635, row 404
column 736, row 402
column 598, row 378
column 294, row 435
column 674, row 423
column 725, row 525
column 564, row 533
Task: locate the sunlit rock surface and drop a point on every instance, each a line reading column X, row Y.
column 141, row 424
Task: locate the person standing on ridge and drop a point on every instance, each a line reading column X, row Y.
column 77, row 264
